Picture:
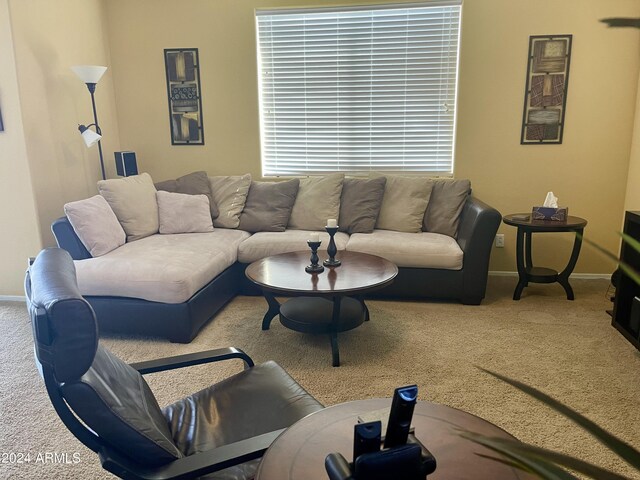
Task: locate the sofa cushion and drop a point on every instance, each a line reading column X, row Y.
column 360, row 204
column 95, row 224
column 160, row 268
column 183, row 213
column 196, row 183
column 404, row 203
column 317, row 201
column 264, row 244
column 133, row 200
column 447, row 200
column 229, row 194
column 419, row 250
column 268, row 206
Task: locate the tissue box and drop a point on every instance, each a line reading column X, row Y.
column 549, row 213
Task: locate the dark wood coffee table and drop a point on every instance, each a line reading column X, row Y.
column 299, row 452
column 329, row 302
column 526, row 271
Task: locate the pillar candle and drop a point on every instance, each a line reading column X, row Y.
column 314, row 237
column 332, row 222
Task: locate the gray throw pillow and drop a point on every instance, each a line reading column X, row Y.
column 404, row 203
column 196, row 183
column 445, row 206
column 360, row 204
column 268, row 206
column 317, row 201
column 229, row 194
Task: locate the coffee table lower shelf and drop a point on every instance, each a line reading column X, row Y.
column 319, row 315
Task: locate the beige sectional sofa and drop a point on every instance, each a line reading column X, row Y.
column 163, row 263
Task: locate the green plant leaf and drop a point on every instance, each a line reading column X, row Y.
column 626, row 268
column 621, row 448
column 533, row 464
column 533, row 452
column 635, row 244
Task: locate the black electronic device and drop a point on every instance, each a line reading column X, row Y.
column 366, row 438
column 402, row 405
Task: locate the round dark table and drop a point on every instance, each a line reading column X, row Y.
column 327, row 302
column 526, row 271
column 299, row 452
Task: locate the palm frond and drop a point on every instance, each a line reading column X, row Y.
column 621, row 448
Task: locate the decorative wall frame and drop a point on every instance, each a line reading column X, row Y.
column 1, row 124
column 545, row 96
column 182, row 67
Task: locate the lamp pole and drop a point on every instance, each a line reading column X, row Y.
column 92, row 89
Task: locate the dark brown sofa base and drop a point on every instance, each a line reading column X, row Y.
column 182, row 322
column 179, row 322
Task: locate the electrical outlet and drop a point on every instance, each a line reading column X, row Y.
column 500, row 240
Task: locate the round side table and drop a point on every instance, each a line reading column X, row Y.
column 299, row 452
column 526, row 271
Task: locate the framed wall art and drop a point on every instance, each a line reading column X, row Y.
column 545, row 96
column 185, row 100
column 1, row 124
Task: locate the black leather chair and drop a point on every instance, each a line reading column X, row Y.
column 110, row 408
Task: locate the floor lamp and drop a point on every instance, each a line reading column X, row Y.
column 91, row 75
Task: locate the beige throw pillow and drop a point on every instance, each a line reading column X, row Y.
column 96, row 225
column 317, row 201
column 404, row 203
column 445, row 207
column 229, row 194
column 183, row 213
column 133, row 200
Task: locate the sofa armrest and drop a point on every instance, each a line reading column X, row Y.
column 67, row 239
column 478, row 226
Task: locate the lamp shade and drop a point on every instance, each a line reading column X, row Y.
column 89, row 136
column 89, row 73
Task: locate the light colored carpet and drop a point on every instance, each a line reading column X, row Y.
column 567, row 349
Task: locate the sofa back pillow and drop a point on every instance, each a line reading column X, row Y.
column 183, row 213
column 229, row 194
column 133, row 200
column 404, row 203
column 268, row 206
column 360, row 204
column 96, row 225
column 445, row 207
column 317, row 201
column 196, row 183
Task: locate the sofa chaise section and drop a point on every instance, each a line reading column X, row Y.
column 164, row 285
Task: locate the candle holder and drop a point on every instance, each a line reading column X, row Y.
column 314, row 267
column 332, row 249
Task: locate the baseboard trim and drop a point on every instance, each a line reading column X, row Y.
column 12, row 298
column 577, row 276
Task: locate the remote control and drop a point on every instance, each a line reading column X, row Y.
column 404, row 401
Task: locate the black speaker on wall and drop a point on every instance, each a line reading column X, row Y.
column 126, row 163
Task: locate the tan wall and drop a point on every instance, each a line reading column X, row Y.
column 588, row 172
column 51, row 36
column 20, row 237
column 632, row 199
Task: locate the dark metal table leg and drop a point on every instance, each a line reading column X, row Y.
column 563, row 277
column 335, row 353
column 274, row 309
column 528, row 259
column 360, row 298
column 522, row 272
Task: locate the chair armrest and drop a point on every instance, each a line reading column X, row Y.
column 190, row 359
column 194, row 465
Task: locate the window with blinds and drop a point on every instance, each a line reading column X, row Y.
column 358, row 89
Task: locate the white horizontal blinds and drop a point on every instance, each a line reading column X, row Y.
column 358, row 90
